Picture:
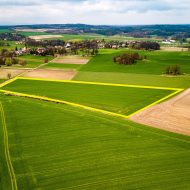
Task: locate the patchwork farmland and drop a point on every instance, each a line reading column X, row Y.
column 67, row 123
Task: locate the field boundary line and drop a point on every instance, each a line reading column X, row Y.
column 100, row 83
column 64, row 102
column 6, row 151
column 156, row 102
column 176, row 91
column 8, row 82
column 87, row 107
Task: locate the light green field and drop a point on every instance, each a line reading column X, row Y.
column 135, row 79
column 12, row 46
column 117, row 99
column 34, row 61
column 55, row 146
column 147, row 72
column 33, row 33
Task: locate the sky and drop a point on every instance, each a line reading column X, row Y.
column 109, row 12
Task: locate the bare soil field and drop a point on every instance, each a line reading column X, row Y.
column 42, row 37
column 176, row 49
column 13, row 72
column 173, row 115
column 71, row 60
column 51, row 74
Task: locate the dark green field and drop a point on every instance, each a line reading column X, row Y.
column 123, row 100
column 56, row 146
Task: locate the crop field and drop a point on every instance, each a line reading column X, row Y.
column 34, row 61
column 156, row 62
column 147, row 72
column 78, row 37
column 71, row 60
column 12, row 45
column 1, row 80
column 66, row 135
column 61, row 66
column 50, row 74
column 135, row 79
column 63, row 147
column 118, row 99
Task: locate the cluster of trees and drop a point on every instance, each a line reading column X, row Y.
column 11, row 36
column 86, row 47
column 8, row 58
column 127, row 58
column 173, row 70
column 145, row 45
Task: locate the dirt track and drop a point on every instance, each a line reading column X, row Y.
column 51, row 74
column 173, row 115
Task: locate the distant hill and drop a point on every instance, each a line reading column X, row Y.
column 175, row 31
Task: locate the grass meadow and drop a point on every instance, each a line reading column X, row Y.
column 34, row 61
column 147, row 72
column 156, row 62
column 56, row 146
column 62, row 66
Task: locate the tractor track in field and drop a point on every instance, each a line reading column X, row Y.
column 6, row 150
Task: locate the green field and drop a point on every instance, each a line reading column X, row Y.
column 135, row 79
column 33, row 33
column 76, row 37
column 12, row 45
column 2, row 80
column 122, row 100
column 34, row 61
column 5, row 30
column 148, row 72
column 156, row 62
column 56, row 146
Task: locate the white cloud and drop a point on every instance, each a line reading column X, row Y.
column 94, row 11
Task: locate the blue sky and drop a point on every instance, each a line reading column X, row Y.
column 119, row 12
